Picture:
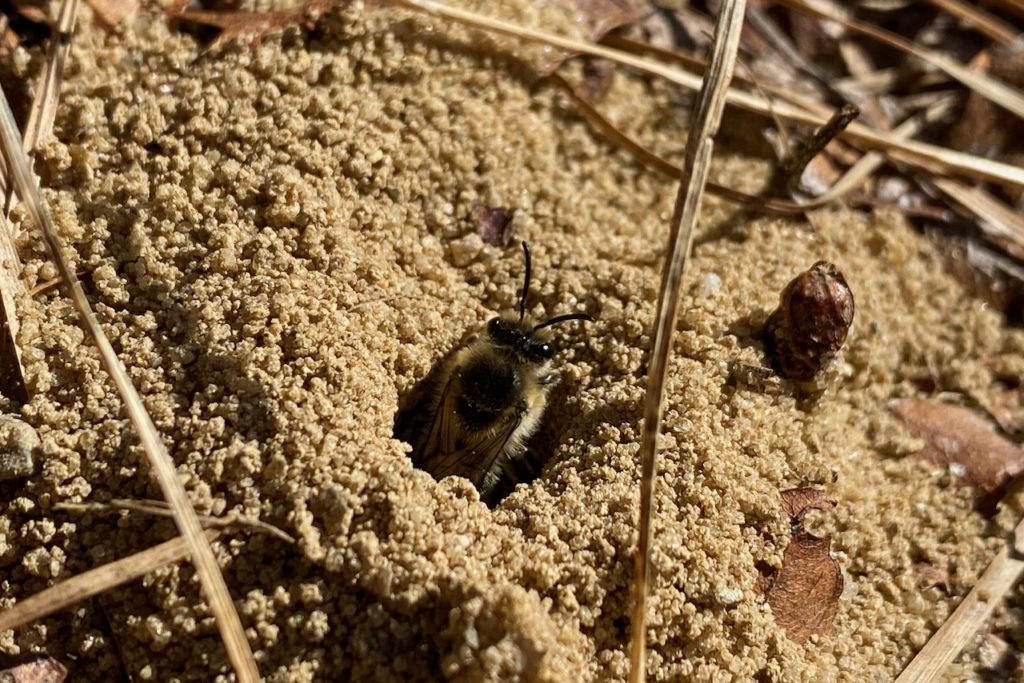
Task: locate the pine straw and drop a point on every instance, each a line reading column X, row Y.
column 992, row 89
column 197, row 545
column 920, row 155
column 970, row 615
column 40, row 123
column 696, row 167
column 162, row 509
column 95, row 581
column 44, row 105
column 973, row 15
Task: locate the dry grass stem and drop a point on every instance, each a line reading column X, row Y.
column 214, row 587
column 12, row 373
column 937, row 159
column 992, row 89
column 1016, row 6
column 870, row 162
column 95, row 581
column 697, row 165
column 999, row 223
column 659, row 164
column 44, row 106
column 851, row 180
column 970, row 615
column 160, row 508
column 40, row 122
column 986, row 23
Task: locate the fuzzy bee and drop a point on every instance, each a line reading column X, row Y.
column 488, row 400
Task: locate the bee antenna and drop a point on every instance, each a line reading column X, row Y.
column 526, row 282
column 563, row 318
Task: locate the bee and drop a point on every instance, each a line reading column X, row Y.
column 490, row 397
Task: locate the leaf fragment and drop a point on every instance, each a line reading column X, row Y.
column 493, row 224
column 798, row 502
column 804, row 594
column 958, row 439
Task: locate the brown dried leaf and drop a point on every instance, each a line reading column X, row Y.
column 35, row 670
column 798, row 502
column 258, row 24
column 493, row 224
column 959, row 439
column 804, row 595
column 113, row 12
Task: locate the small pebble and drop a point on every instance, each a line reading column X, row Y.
column 709, row 285
column 18, row 442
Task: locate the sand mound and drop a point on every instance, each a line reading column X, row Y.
column 280, row 245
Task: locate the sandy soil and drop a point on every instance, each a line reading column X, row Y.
column 280, row 247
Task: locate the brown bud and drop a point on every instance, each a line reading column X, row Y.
column 811, row 323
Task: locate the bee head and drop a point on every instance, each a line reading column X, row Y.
column 520, row 339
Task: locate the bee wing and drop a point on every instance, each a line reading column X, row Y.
column 450, row 449
column 478, row 451
column 441, row 436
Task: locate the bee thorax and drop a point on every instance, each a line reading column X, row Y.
column 489, row 387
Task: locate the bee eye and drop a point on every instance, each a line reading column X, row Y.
column 494, row 328
column 503, row 333
column 543, row 351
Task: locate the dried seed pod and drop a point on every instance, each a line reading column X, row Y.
column 810, row 325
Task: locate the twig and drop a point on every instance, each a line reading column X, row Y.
column 999, row 578
column 697, row 164
column 931, row 157
column 871, row 161
column 792, row 168
column 159, row 507
column 24, row 182
column 95, row 581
